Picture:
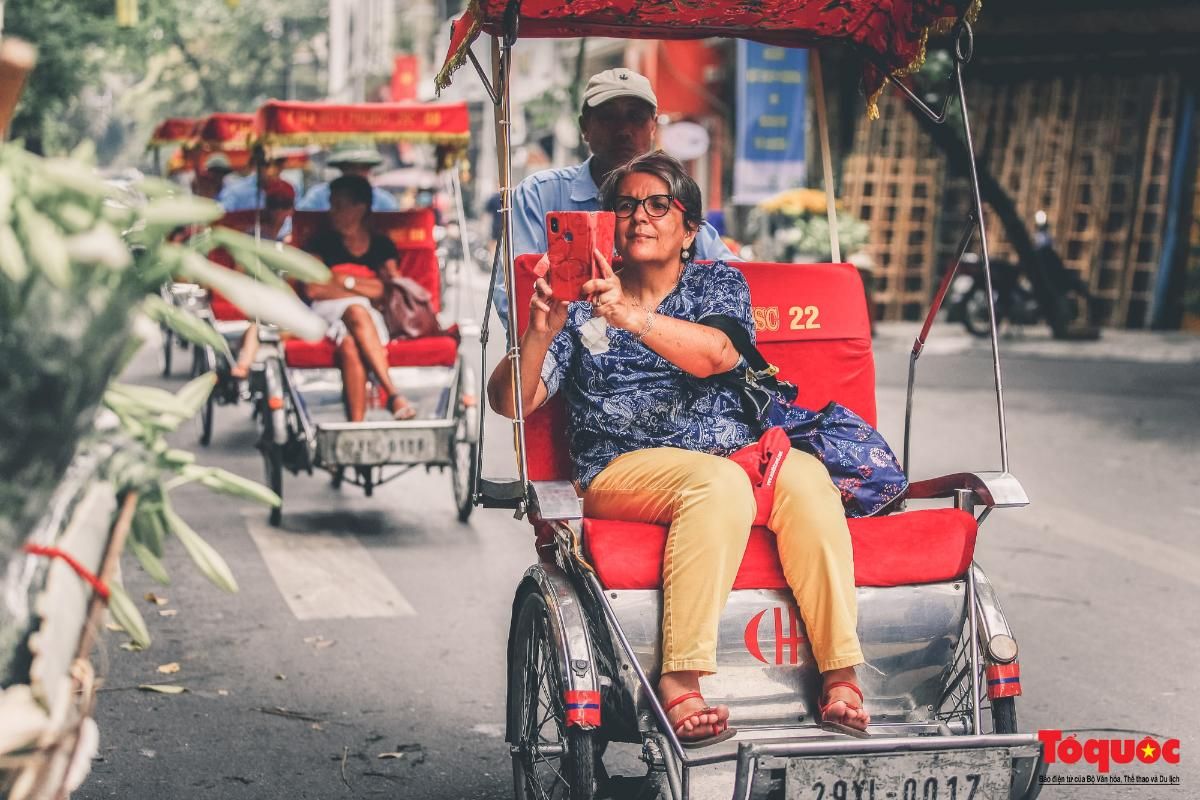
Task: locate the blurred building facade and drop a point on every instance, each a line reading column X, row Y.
column 1083, row 110
column 1088, row 116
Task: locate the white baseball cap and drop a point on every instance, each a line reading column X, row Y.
column 614, row 83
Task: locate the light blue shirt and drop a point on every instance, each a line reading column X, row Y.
column 317, row 199
column 572, row 189
column 240, row 195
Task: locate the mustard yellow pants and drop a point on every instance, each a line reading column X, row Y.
column 708, row 503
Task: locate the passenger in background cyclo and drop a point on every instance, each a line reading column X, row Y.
column 650, row 427
column 350, row 160
column 618, row 121
column 244, row 195
column 276, row 226
column 209, row 180
column 345, row 302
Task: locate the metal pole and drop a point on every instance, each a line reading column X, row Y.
column 919, row 342
column 501, row 66
column 656, row 707
column 466, row 264
column 964, row 500
column 962, row 54
column 818, row 81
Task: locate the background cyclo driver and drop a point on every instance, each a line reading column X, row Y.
column 618, row 122
column 210, row 178
column 244, row 194
column 351, row 160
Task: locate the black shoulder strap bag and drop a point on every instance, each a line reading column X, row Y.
column 860, row 462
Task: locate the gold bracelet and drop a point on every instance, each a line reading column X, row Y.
column 646, row 327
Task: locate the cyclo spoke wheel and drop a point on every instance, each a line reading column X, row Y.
column 995, row 716
column 272, row 455
column 168, row 344
column 550, row 761
column 203, row 359
column 462, row 468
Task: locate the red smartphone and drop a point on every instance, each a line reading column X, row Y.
column 570, row 237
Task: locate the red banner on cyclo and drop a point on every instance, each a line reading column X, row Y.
column 892, row 33
column 175, row 130
column 224, row 131
column 281, row 122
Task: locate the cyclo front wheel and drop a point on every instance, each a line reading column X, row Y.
column 551, row 761
column 996, row 716
column 462, row 470
column 204, row 359
column 167, row 343
column 272, row 456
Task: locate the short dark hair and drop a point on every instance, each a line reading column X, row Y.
column 667, row 169
column 355, row 187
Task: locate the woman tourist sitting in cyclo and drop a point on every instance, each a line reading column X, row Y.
column 650, row 425
column 345, row 302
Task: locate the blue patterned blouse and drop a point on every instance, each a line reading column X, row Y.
column 630, row 398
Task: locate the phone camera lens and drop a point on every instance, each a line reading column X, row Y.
column 554, row 224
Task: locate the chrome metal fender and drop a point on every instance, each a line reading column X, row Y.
column 276, row 386
column 995, row 636
column 766, row 671
column 572, row 642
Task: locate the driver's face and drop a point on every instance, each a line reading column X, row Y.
column 344, row 214
column 618, row 131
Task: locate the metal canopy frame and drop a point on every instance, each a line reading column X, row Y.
column 519, row 494
column 516, row 493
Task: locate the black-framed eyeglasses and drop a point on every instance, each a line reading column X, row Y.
column 656, row 205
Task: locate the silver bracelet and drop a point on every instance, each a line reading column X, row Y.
column 646, row 327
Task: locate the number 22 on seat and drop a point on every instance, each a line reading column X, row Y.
column 804, row 317
column 800, row 318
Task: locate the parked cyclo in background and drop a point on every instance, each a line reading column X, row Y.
column 173, row 133
column 227, row 135
column 940, row 676
column 304, row 426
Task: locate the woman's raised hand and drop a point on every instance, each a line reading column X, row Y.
column 546, row 314
column 608, row 297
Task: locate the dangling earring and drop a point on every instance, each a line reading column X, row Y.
column 687, row 253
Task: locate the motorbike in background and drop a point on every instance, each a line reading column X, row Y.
column 1024, row 294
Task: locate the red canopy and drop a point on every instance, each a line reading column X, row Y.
column 294, row 123
column 224, row 132
column 891, row 33
column 174, row 130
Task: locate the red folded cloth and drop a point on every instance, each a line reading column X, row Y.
column 762, row 461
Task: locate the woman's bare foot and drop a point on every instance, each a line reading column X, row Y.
column 240, row 371
column 692, row 718
column 842, row 704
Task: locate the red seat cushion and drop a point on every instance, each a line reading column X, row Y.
column 222, row 309
column 428, row 351
column 924, row 546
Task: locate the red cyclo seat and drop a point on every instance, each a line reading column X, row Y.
column 222, row 309
column 925, row 546
column 428, row 351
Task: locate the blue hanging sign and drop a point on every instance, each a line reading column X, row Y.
column 772, row 86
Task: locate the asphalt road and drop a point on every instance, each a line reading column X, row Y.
column 393, row 684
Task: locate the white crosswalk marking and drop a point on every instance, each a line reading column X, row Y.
column 324, row 576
